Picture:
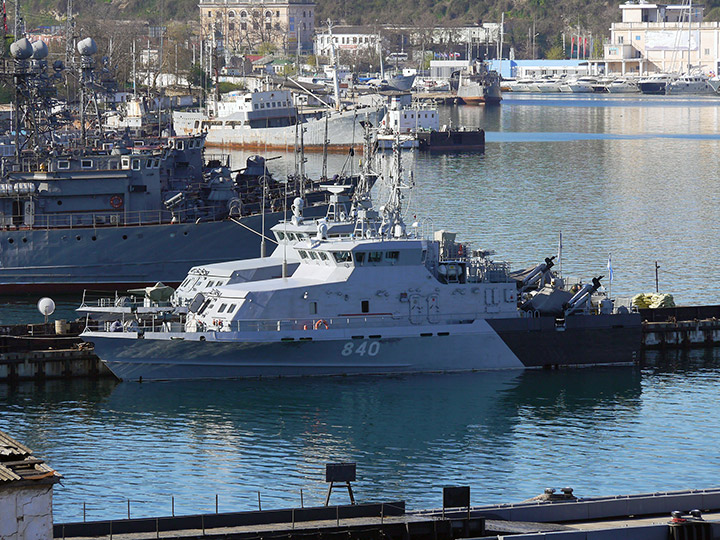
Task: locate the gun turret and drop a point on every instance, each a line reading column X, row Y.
column 582, row 296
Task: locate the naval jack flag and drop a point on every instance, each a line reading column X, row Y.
column 609, row 268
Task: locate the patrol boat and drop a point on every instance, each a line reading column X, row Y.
column 385, row 301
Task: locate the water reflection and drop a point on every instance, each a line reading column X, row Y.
column 409, row 435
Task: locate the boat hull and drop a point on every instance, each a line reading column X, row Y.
column 484, row 344
column 343, row 127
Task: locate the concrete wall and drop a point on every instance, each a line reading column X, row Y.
column 26, row 513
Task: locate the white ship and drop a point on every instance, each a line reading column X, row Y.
column 270, row 120
column 382, row 300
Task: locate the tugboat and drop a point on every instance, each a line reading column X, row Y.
column 383, row 300
column 415, row 126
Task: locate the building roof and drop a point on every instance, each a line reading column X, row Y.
column 19, row 467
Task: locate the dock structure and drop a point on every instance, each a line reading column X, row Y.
column 682, row 327
column 40, row 351
column 438, row 98
column 679, row 515
column 375, row 521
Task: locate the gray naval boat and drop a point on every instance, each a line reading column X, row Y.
column 91, row 210
column 381, row 300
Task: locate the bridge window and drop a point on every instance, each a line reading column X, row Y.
column 359, row 257
column 392, row 256
column 342, row 256
column 375, row 256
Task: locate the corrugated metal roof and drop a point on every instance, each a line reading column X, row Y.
column 17, row 463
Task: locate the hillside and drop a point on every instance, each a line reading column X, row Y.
column 550, row 18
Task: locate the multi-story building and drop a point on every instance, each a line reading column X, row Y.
column 345, row 38
column 245, row 24
column 661, row 38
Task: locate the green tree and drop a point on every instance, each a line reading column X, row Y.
column 555, row 53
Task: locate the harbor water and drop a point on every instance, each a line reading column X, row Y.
column 634, row 177
column 507, row 434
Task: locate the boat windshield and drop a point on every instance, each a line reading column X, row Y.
column 342, row 256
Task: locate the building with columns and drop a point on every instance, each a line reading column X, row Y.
column 661, row 38
column 243, row 25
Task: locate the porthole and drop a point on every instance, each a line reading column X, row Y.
column 94, row 238
column 78, row 237
column 24, row 240
column 124, row 237
column 10, row 240
column 59, row 203
column 185, row 233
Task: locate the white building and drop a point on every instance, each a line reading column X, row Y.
column 26, row 485
column 661, row 38
column 345, row 38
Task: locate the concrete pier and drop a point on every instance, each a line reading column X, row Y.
column 627, row 517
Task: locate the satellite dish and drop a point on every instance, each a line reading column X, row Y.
column 46, row 306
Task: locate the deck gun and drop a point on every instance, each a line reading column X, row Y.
column 582, row 296
column 540, row 273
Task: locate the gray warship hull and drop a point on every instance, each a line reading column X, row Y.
column 57, row 260
column 485, row 344
column 343, row 127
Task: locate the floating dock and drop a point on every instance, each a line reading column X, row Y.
column 37, row 352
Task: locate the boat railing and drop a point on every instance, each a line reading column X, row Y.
column 176, row 323
column 85, row 220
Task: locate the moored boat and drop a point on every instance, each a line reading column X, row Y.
column 389, row 300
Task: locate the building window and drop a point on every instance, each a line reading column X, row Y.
column 243, row 26
column 243, row 14
column 231, row 26
column 231, row 14
column 277, row 13
column 268, row 26
column 209, row 13
column 268, row 14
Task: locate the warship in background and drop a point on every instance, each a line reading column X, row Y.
column 97, row 211
column 478, row 85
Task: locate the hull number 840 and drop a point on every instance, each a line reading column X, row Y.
column 361, row 348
